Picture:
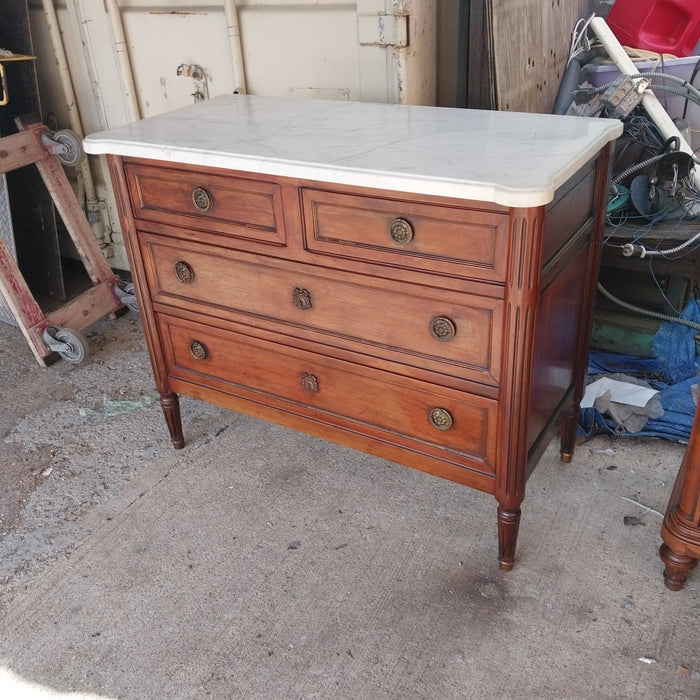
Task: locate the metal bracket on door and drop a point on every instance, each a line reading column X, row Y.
column 5, row 98
column 7, row 56
column 383, row 30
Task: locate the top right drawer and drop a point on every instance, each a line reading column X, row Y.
column 460, row 242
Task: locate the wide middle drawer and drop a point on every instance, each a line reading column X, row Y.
column 423, row 324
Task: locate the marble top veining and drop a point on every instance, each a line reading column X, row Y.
column 508, row 158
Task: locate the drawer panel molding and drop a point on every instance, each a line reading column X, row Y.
column 450, row 241
column 417, row 411
column 423, row 324
column 234, row 206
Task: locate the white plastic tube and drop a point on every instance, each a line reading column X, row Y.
column 95, row 213
column 233, row 30
column 650, row 102
column 121, row 52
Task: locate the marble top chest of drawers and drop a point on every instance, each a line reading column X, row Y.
column 413, row 282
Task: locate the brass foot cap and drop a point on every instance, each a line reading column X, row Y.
column 566, row 457
column 505, row 565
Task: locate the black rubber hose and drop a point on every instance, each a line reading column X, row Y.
column 569, row 82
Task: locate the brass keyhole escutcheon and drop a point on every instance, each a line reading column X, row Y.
column 443, row 328
column 198, row 350
column 202, row 199
column 301, row 298
column 309, row 382
column 441, row 418
column 183, row 272
column 401, row 231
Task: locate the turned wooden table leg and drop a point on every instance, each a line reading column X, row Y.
column 681, row 527
column 170, row 403
column 508, row 524
column 676, row 567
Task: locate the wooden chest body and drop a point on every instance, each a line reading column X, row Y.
column 445, row 334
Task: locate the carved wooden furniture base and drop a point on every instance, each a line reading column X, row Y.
column 680, row 531
column 341, row 270
column 405, row 348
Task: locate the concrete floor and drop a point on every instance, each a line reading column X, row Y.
column 261, row 563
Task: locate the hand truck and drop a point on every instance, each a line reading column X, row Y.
column 59, row 330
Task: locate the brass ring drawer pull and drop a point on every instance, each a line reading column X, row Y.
column 441, row 419
column 401, row 231
column 309, row 382
column 198, row 350
column 202, row 199
column 183, row 272
column 443, row 328
column 301, row 298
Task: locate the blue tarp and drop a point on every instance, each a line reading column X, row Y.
column 672, row 372
column 674, row 346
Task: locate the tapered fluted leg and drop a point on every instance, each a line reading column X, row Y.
column 569, row 428
column 170, row 403
column 508, row 524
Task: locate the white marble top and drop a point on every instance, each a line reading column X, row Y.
column 509, row 158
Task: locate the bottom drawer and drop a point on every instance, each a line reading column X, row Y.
column 435, row 420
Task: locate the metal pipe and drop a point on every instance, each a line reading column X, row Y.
column 121, row 52
column 647, row 312
column 95, row 213
column 650, row 102
column 234, row 37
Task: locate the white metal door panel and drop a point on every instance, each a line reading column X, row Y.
column 137, row 58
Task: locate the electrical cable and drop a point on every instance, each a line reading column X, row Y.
column 642, row 131
column 688, row 96
column 689, row 91
column 668, row 76
column 637, row 166
column 660, row 288
column 653, row 74
column 579, row 54
column 580, row 42
column 692, row 79
column 675, row 91
column 647, row 312
column 630, row 249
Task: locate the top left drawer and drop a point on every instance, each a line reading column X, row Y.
column 206, row 201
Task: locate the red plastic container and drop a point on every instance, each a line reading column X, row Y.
column 665, row 26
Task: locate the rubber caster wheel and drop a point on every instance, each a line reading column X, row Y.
column 73, row 153
column 126, row 293
column 132, row 304
column 75, row 347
